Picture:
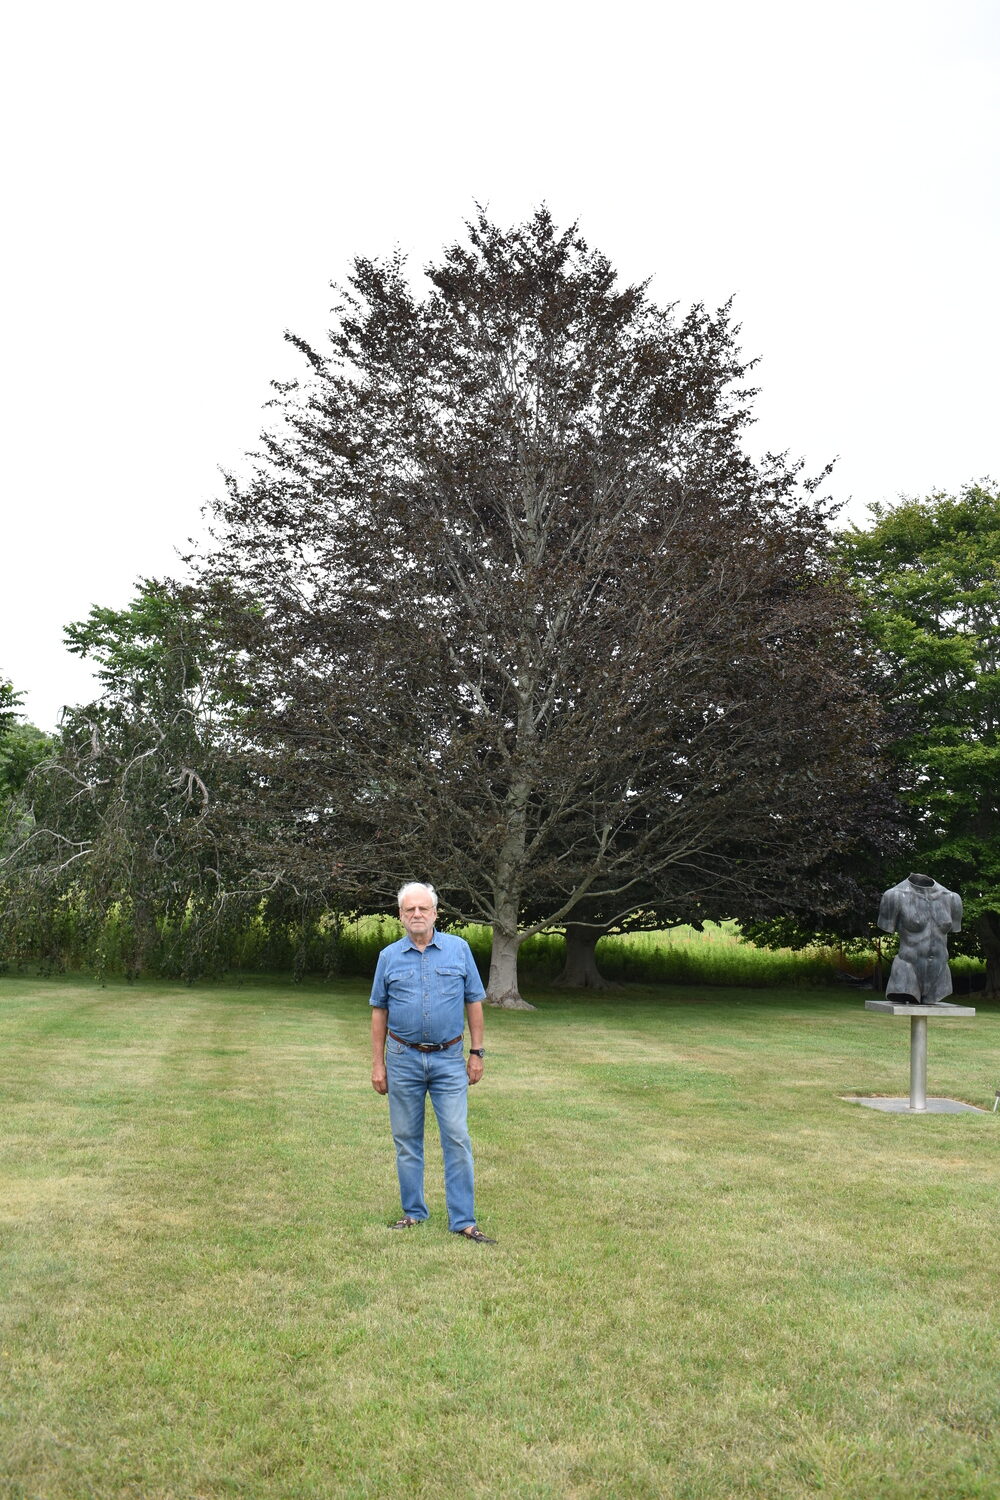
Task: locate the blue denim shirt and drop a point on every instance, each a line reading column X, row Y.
column 426, row 993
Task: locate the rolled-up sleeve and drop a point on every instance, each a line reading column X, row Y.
column 380, row 992
column 473, row 984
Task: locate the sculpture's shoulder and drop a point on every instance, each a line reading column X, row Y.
column 952, row 902
column 911, row 906
column 946, row 906
column 889, row 907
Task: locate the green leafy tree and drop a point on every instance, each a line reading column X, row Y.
column 509, row 607
column 127, row 815
column 22, row 748
column 10, row 705
column 928, row 573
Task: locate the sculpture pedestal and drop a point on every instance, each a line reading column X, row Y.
column 919, row 1016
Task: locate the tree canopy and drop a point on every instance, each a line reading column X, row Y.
column 10, row 704
column 22, row 748
column 928, row 572
column 135, row 809
column 509, row 608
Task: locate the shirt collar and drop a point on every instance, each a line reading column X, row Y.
column 408, row 942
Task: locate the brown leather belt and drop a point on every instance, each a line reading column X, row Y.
column 427, row 1046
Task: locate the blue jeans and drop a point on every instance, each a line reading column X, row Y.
column 412, row 1075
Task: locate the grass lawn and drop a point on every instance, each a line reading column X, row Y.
column 714, row 1277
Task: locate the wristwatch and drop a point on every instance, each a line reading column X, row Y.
column 477, row 1051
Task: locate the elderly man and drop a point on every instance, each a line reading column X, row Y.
column 425, row 985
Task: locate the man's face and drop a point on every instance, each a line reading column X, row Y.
column 416, row 912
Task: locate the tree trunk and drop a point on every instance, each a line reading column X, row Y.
column 502, row 986
column 580, row 970
column 988, row 932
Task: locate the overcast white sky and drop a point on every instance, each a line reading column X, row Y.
column 183, row 182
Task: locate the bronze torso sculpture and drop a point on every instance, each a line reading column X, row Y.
column 923, row 913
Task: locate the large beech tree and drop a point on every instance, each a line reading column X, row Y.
column 509, row 607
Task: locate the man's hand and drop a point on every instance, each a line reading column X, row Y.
column 379, row 1081
column 474, row 1012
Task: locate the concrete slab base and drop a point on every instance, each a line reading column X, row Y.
column 902, row 1106
column 907, row 1008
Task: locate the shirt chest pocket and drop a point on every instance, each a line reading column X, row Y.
column 402, row 984
column 449, row 981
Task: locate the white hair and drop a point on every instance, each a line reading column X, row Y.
column 416, row 885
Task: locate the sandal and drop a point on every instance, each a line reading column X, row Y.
column 406, row 1223
column 475, row 1233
